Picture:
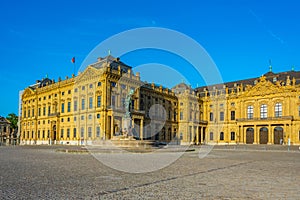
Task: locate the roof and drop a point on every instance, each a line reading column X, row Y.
column 181, row 88
column 270, row 76
column 4, row 120
column 113, row 62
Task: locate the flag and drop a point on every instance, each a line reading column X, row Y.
column 73, row 60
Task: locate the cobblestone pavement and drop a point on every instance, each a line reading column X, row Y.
column 40, row 172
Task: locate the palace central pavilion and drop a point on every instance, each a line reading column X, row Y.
column 91, row 107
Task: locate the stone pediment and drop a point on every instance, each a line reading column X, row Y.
column 27, row 93
column 88, row 74
column 262, row 88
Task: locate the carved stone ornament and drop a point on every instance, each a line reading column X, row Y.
column 28, row 92
column 88, row 74
column 264, row 87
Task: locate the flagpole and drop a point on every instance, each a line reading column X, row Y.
column 74, row 68
column 74, row 65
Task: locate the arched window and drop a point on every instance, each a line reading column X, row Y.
column 250, row 112
column 263, row 111
column 278, row 110
column 222, row 136
column 82, row 132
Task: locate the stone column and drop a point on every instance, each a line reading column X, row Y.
column 242, row 135
column 284, row 134
column 290, row 133
column 193, row 134
column 197, row 136
column 141, row 129
column 202, row 134
column 132, row 123
column 256, row 135
column 111, row 126
column 270, row 141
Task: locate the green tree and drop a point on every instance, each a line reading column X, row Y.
column 13, row 118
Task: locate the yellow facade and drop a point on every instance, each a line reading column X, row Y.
column 91, row 108
column 263, row 111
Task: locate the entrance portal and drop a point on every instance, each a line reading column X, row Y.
column 263, row 135
column 54, row 133
column 278, row 135
column 249, row 136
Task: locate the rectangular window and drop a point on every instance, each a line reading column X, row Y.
column 28, row 113
column 89, row 132
column 123, row 86
column 44, row 111
column 181, row 115
column 232, row 115
column 68, row 133
column 190, row 134
column 250, row 112
column 278, row 110
column 90, row 102
column 113, row 100
column 98, row 131
column 98, row 116
column 33, row 112
column 123, row 102
column 113, row 84
column 232, row 135
column 98, row 101
column 69, row 106
column 62, row 133
column 62, row 107
column 49, row 110
column 74, row 133
column 82, row 104
column 263, row 111
column 39, row 134
column 75, row 105
column 82, row 132
column 211, row 136
column 211, row 116
column 39, row 112
column 221, row 116
column 222, row 136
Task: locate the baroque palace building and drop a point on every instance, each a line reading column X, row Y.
column 91, row 107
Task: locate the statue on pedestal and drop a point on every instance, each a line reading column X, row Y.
column 126, row 121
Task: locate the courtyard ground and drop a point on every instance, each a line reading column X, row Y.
column 227, row 172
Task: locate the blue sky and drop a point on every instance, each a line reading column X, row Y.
column 41, row 37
